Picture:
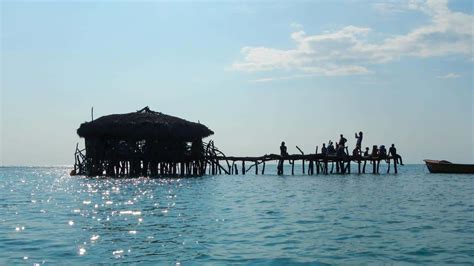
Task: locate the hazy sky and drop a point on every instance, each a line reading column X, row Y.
column 255, row 73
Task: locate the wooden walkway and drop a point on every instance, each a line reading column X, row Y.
column 316, row 164
column 215, row 162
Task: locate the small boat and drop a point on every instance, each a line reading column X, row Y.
column 448, row 167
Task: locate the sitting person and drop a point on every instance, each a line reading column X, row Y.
column 331, row 150
column 356, row 152
column 375, row 151
column 382, row 151
column 324, row 150
column 366, row 153
column 392, row 151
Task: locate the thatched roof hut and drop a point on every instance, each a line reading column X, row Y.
column 143, row 124
column 142, row 143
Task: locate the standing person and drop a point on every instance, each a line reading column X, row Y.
column 342, row 141
column 392, row 151
column 283, row 152
column 283, row 149
column 359, row 140
column 340, row 151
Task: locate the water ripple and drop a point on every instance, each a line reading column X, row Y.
column 413, row 217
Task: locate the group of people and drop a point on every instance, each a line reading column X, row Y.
column 339, row 149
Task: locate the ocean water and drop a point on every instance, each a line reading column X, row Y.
column 48, row 217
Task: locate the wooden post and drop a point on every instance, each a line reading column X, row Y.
column 256, row 167
column 317, row 167
column 395, row 165
column 378, row 165
column 310, row 167
column 358, row 162
column 236, row 169
column 263, row 168
column 303, row 167
column 374, row 166
column 292, row 167
column 243, row 167
column 388, row 166
column 365, row 163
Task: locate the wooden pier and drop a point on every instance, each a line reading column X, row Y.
column 310, row 164
column 149, row 143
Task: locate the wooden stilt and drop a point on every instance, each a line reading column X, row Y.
column 395, row 165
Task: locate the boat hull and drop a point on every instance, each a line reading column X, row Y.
column 446, row 167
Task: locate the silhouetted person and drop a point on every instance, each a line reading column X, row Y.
column 356, row 151
column 331, row 149
column 359, row 139
column 340, row 151
column 324, row 150
column 283, row 152
column 382, row 152
column 366, row 153
column 342, row 141
column 374, row 151
column 392, row 151
column 283, row 149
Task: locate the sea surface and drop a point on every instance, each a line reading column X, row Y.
column 49, row 217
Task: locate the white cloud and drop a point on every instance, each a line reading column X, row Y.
column 349, row 50
column 449, row 76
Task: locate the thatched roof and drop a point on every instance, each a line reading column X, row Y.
column 143, row 124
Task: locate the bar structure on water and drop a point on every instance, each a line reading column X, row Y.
column 149, row 143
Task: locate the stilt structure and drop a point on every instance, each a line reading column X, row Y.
column 144, row 143
column 149, row 143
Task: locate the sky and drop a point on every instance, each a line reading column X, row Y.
column 256, row 73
